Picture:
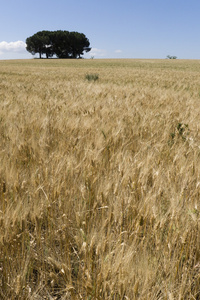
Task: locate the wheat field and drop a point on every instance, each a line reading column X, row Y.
column 100, row 180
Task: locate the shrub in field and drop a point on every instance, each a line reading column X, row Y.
column 181, row 130
column 92, row 77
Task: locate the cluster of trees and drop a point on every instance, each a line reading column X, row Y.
column 171, row 57
column 63, row 44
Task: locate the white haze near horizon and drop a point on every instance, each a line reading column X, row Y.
column 18, row 46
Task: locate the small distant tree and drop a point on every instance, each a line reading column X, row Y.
column 78, row 44
column 171, row 57
column 40, row 42
column 34, row 45
column 61, row 44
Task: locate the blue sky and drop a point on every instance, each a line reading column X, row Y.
column 115, row 28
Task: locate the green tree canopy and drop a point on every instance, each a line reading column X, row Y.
column 171, row 57
column 63, row 44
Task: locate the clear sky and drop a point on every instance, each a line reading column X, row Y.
column 115, row 28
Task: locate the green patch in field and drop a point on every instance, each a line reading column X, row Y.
column 92, row 77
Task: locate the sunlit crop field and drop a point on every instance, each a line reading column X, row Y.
column 100, row 180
